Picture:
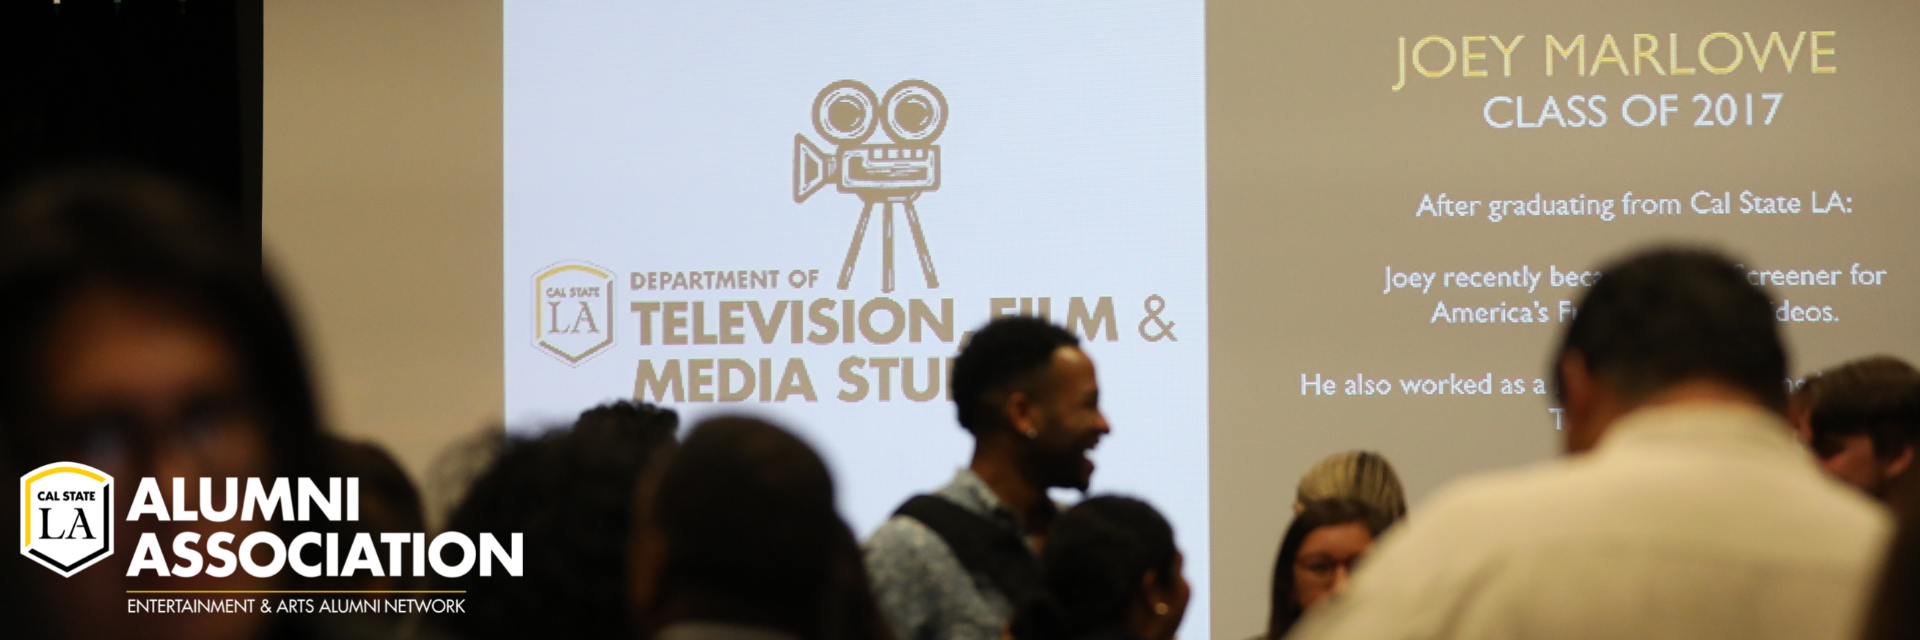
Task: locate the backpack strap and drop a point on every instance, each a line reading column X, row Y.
column 980, row 546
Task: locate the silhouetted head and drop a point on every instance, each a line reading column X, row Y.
column 740, row 527
column 389, row 503
column 1023, row 388
column 570, row 492
column 1863, row 418
column 1659, row 320
column 1110, row 565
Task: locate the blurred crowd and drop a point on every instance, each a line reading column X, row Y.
column 1703, row 494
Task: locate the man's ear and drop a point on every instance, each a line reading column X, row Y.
column 1583, row 397
column 1150, row 588
column 1023, row 412
column 1576, row 383
column 1899, row 464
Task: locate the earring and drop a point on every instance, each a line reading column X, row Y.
column 1033, row 434
column 1160, row 608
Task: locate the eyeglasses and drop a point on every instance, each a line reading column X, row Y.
column 1323, row 565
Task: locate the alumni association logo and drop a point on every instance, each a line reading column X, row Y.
column 573, row 320
column 846, row 113
column 67, row 524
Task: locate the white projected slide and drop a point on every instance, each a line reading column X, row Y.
column 797, row 209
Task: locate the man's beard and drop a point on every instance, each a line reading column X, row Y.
column 1059, row 464
column 1059, row 468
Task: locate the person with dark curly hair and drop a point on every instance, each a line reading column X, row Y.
column 739, row 539
column 570, row 491
column 1863, row 420
column 1110, row 571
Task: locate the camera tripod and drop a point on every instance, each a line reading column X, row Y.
column 887, row 202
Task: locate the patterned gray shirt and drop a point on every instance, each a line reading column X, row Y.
column 922, row 588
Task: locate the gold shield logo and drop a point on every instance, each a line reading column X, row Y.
column 68, row 521
column 573, row 316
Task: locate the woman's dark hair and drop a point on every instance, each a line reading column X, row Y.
column 392, row 503
column 752, row 533
column 1286, row 608
column 1892, row 614
column 389, row 502
column 1878, row 396
column 569, row 491
column 1096, row 555
column 121, row 230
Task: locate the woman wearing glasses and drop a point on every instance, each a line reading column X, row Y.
column 1319, row 551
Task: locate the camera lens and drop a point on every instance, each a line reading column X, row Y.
column 845, row 112
column 916, row 112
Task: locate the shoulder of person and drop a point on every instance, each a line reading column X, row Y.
column 1492, row 494
column 1469, row 521
column 902, row 534
column 1843, row 517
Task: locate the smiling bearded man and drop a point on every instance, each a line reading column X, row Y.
column 952, row 565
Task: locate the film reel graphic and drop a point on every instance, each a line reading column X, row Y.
column 890, row 175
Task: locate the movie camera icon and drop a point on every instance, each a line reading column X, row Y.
column 846, row 113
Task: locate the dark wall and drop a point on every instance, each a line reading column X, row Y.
column 170, row 85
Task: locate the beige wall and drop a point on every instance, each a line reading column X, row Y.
column 381, row 199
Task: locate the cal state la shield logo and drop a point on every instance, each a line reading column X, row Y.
column 573, row 318
column 68, row 521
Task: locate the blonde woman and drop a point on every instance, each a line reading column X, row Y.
column 1362, row 476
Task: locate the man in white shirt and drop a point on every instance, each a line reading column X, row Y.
column 1685, row 508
